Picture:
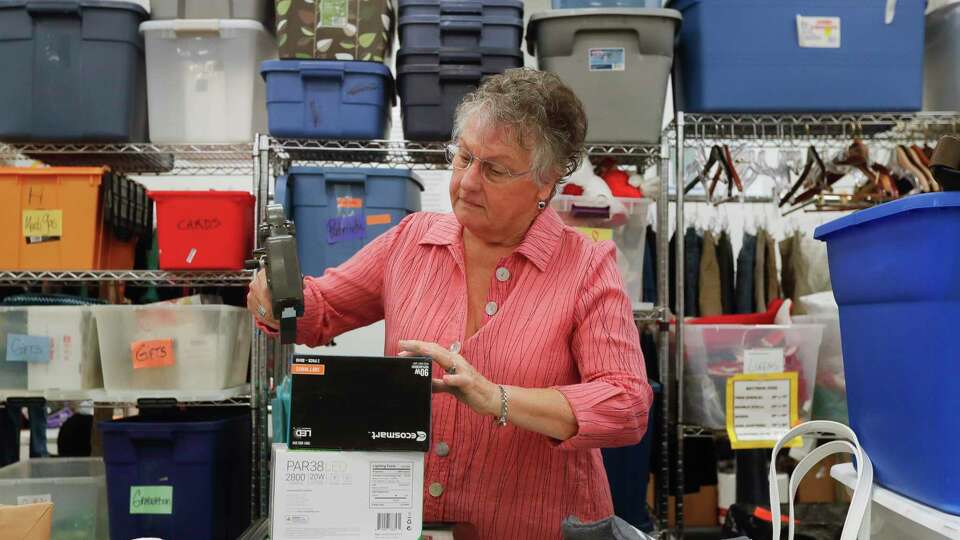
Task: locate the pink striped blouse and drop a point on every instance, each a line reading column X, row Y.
column 562, row 321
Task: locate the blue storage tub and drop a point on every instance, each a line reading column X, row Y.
column 198, row 460
column 339, row 210
column 745, row 56
column 463, row 31
column 74, row 70
column 579, row 4
column 327, row 99
column 895, row 271
column 487, row 8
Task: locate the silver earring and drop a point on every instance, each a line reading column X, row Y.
column 541, row 205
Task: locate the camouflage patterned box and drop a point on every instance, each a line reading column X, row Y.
column 335, row 29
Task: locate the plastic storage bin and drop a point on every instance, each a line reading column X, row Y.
column 715, row 353
column 338, row 211
column 489, row 60
column 579, row 4
column 63, row 206
column 335, row 29
column 628, row 230
column 13, row 374
column 194, row 465
column 480, row 8
column 210, row 347
column 616, row 60
column 941, row 75
column 76, row 486
column 74, row 352
column 79, row 71
column 331, row 100
column 192, row 227
column 900, row 365
column 463, row 31
column 256, row 10
column 430, row 95
column 202, row 79
column 830, row 396
column 747, row 56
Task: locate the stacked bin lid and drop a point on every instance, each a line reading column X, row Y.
column 446, row 48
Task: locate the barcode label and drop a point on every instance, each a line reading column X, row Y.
column 388, row 522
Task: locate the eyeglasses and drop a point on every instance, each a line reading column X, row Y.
column 461, row 160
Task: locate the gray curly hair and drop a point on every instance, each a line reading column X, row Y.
column 546, row 116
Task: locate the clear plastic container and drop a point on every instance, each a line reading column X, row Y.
column 625, row 223
column 210, row 347
column 75, row 352
column 76, row 487
column 830, row 396
column 714, row 353
column 202, row 80
column 13, row 375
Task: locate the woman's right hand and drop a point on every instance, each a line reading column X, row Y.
column 259, row 302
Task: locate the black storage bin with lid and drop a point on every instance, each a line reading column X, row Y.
column 429, row 96
column 489, row 60
column 484, row 8
column 76, row 71
column 464, row 31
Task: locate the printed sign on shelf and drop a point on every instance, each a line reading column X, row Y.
column 761, row 408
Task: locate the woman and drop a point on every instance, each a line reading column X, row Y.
column 527, row 320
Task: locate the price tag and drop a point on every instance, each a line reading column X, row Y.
column 818, row 32
column 151, row 500
column 43, row 224
column 379, row 219
column 596, row 234
column 761, row 408
column 21, row 348
column 154, row 353
column 764, row 361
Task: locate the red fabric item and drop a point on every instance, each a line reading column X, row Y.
column 619, row 185
column 766, row 515
column 572, row 189
column 767, row 317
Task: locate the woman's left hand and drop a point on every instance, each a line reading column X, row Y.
column 460, row 380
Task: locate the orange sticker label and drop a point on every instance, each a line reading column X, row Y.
column 303, row 369
column 154, row 353
column 349, row 202
column 379, row 219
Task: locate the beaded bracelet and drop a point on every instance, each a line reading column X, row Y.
column 502, row 421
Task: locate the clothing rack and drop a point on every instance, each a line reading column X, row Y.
column 778, row 132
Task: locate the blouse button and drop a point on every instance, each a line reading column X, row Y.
column 491, row 308
column 436, row 489
column 503, row 274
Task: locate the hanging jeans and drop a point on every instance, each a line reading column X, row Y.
column 10, row 433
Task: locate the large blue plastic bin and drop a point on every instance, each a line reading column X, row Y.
column 327, row 99
column 202, row 455
column 895, row 271
column 73, row 71
column 337, row 211
column 745, row 56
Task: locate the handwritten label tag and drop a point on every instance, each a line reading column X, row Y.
column 154, row 353
column 379, row 219
column 349, row 202
column 343, row 228
column 43, row 224
column 21, row 348
column 763, row 361
column 157, row 500
column 596, row 234
column 818, row 32
column 761, row 409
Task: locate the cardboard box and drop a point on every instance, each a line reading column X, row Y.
column 360, row 403
column 320, row 494
column 341, row 30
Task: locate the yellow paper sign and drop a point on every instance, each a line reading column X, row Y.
column 596, row 234
column 761, row 408
column 42, row 223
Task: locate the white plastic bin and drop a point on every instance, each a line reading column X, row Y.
column 203, row 84
column 625, row 222
column 714, row 353
column 74, row 350
column 830, row 397
column 13, row 375
column 257, row 10
column 76, row 487
column 210, row 343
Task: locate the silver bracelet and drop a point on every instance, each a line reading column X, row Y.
column 502, row 421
